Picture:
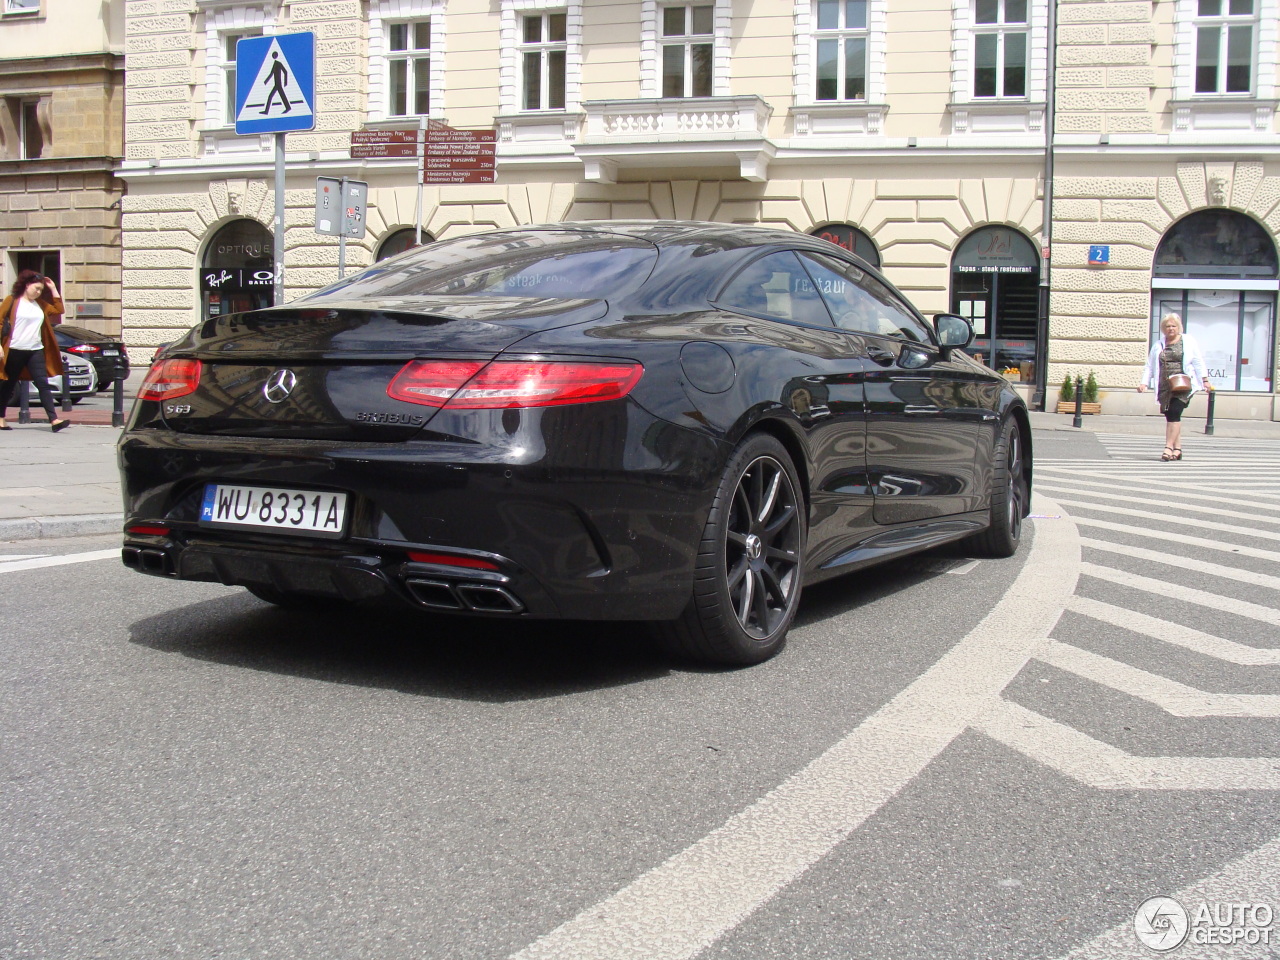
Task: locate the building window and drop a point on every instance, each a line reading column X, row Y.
column 408, row 68
column 544, row 50
column 688, row 50
column 400, row 241
column 1000, row 48
column 1225, row 46
column 840, row 49
column 224, row 27
column 406, row 58
column 227, row 69
column 995, row 285
column 21, row 6
column 851, row 239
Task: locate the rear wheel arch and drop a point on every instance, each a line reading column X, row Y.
column 788, row 434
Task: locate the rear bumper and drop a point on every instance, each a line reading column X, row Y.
column 588, row 533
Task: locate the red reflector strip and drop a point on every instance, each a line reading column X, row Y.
column 83, row 348
column 451, row 560
column 170, row 378
column 502, row 384
column 144, row 530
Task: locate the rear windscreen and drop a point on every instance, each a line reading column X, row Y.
column 550, row 264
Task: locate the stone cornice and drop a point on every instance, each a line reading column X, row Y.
column 68, row 63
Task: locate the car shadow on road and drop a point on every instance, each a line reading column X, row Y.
column 383, row 646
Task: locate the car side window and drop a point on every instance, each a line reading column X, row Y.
column 776, row 286
column 860, row 302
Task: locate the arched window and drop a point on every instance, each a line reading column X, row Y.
column 995, row 285
column 237, row 272
column 400, row 241
column 1217, row 270
column 851, row 238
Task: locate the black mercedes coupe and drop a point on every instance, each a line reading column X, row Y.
column 675, row 422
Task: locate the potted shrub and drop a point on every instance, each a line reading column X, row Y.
column 1067, row 396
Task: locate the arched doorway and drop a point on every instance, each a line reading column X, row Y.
column 1217, row 269
column 237, row 272
column 400, row 241
column 995, row 285
column 850, row 238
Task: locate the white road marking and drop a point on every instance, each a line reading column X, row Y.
column 1183, row 505
column 35, row 564
column 1254, row 878
column 1174, row 518
column 1202, row 542
column 1174, row 698
column 1104, row 767
column 680, row 907
column 1185, row 563
column 1203, row 598
column 1228, row 651
column 1079, row 486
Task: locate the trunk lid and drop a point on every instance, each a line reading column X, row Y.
column 322, row 372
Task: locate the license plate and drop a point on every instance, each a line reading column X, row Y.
column 274, row 508
column 111, row 353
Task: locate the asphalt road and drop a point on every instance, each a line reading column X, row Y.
column 951, row 759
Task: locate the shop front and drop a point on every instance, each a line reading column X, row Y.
column 995, row 280
column 237, row 272
column 1217, row 270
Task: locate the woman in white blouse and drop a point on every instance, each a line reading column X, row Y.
column 30, row 348
column 1174, row 353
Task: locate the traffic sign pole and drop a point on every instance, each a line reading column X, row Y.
column 342, row 237
column 278, row 232
column 417, row 214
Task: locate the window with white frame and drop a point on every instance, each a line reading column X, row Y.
column 1225, row 45
column 225, row 25
column 840, row 39
column 406, row 58
column 688, row 50
column 544, row 49
column 21, row 6
column 408, row 67
column 1001, row 34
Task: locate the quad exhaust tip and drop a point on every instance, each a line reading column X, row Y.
column 475, row 597
column 147, row 560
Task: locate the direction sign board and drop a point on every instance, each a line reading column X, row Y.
column 459, row 176
column 383, row 151
column 463, row 136
column 276, row 83
column 384, row 136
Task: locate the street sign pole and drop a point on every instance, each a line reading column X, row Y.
column 278, row 232
column 417, row 213
column 342, row 237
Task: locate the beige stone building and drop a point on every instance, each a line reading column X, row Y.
column 61, row 137
column 914, row 131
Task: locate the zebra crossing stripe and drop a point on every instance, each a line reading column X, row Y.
column 1105, row 767
column 1203, row 598
column 1175, row 634
column 1083, row 487
column 1183, row 505
column 1185, row 563
column 1167, row 517
column 1174, row 698
column 1202, row 542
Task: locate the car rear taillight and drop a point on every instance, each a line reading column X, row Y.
column 169, row 379
column 148, row 530
column 451, row 560
column 472, row 385
column 83, row 348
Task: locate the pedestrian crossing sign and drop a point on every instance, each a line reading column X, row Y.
column 276, row 83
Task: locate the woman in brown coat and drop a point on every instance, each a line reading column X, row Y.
column 30, row 348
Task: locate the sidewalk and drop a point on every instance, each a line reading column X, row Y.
column 66, row 484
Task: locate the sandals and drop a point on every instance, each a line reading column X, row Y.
column 1177, row 453
column 1167, row 455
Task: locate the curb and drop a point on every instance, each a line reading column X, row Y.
column 38, row 528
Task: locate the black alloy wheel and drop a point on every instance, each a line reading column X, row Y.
column 748, row 577
column 1008, row 496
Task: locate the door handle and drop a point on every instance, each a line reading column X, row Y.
column 882, row 357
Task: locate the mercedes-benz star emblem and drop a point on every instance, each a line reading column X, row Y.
column 279, row 385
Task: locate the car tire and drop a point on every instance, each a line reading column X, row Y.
column 749, row 569
column 1008, row 497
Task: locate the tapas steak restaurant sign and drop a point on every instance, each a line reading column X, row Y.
column 996, row 250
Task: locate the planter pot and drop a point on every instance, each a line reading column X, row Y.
column 1070, row 407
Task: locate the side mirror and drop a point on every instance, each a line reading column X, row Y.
column 954, row 332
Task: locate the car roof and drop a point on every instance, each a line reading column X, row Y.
column 661, row 232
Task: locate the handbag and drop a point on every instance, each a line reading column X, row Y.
column 1179, row 383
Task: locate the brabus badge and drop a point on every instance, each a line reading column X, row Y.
column 279, row 385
